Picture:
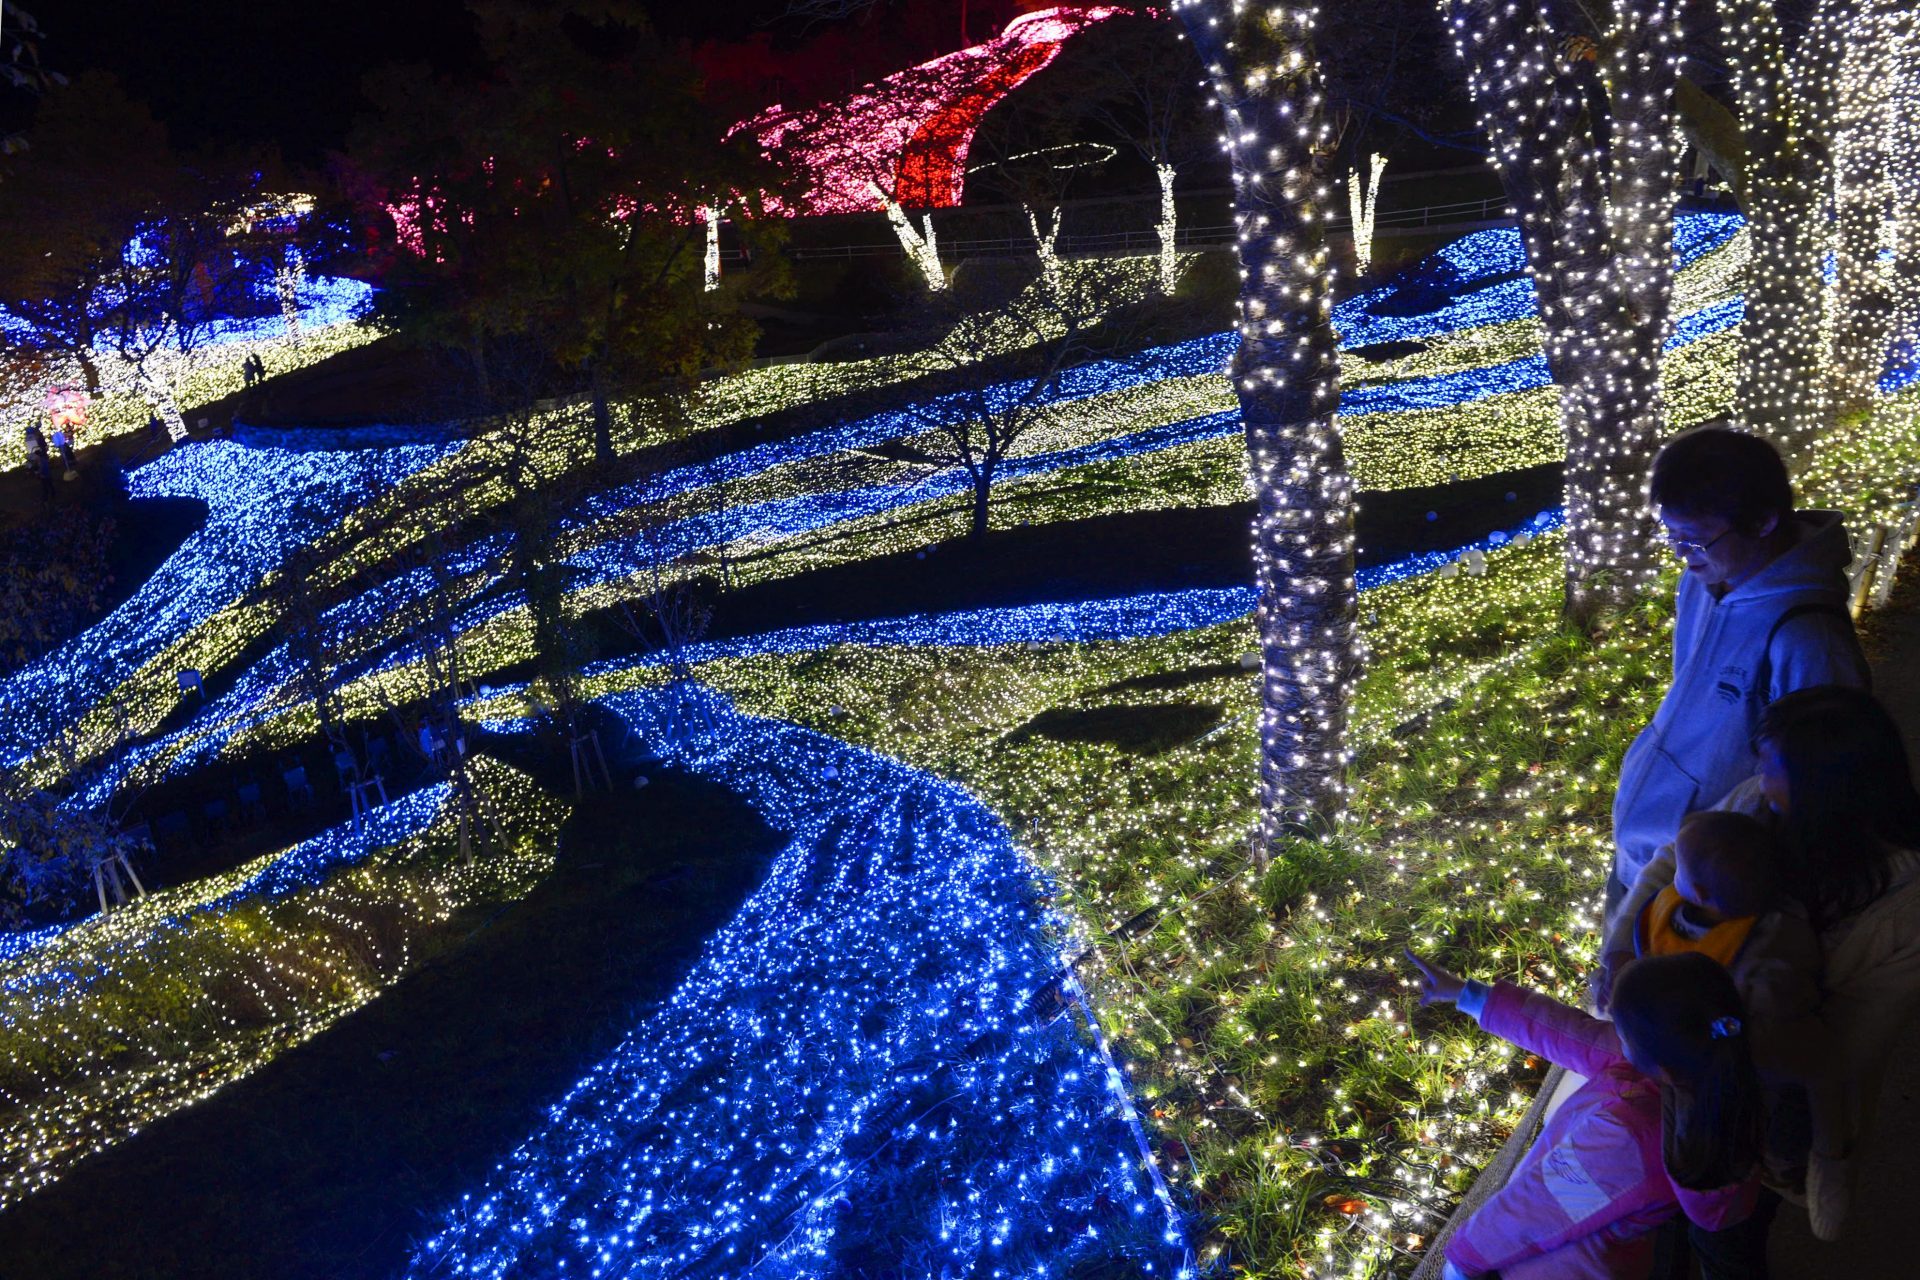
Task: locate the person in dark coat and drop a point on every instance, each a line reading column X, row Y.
column 44, row 465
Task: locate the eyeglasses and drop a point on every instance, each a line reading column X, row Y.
column 1684, row 545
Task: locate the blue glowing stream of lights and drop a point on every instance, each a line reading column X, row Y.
column 1480, row 255
column 855, row 1039
column 1147, row 614
column 263, row 500
column 862, row 825
column 261, row 503
column 810, row 512
column 323, row 301
column 1361, row 320
column 250, row 702
column 807, row 513
column 1135, row 617
column 255, row 494
column 1528, row 373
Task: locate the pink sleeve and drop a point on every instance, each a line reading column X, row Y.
column 1540, row 1024
column 1570, row 1186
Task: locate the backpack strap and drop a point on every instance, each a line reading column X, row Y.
column 1763, row 674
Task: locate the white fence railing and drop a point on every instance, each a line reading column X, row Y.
column 1145, row 240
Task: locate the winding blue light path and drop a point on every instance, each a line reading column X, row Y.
column 264, row 499
column 261, row 503
column 860, row 1028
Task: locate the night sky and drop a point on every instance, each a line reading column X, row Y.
column 254, row 71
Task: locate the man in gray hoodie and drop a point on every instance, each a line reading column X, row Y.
column 1761, row 611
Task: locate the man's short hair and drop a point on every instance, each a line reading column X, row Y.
column 1717, row 470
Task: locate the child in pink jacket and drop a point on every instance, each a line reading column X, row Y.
column 1668, row 1120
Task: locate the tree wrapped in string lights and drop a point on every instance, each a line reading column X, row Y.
column 1363, row 202
column 1822, row 159
column 171, row 284
column 1873, row 190
column 1594, row 197
column 1784, row 95
column 1146, row 94
column 1286, row 374
column 1821, row 169
column 1902, row 150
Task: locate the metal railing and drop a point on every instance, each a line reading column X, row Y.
column 1489, row 209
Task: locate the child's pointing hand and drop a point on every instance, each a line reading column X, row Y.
column 1437, row 986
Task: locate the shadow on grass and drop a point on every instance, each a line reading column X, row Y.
column 333, row 1159
column 1142, row 730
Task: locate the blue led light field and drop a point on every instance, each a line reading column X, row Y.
column 261, row 502
column 862, row 1028
column 875, row 1066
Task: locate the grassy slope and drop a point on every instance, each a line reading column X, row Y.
column 1260, row 1010
column 338, row 1155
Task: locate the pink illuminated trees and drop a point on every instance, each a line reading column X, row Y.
column 1259, row 62
column 901, row 145
column 910, row 134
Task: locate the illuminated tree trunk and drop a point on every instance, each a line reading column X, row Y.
column 1595, row 213
column 1286, row 374
column 710, row 277
column 1362, row 204
column 159, row 393
column 1903, row 162
column 1859, row 307
column 917, row 241
column 1785, row 117
column 1043, row 243
column 288, row 278
column 1168, row 229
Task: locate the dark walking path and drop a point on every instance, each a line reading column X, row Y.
column 332, row 1159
